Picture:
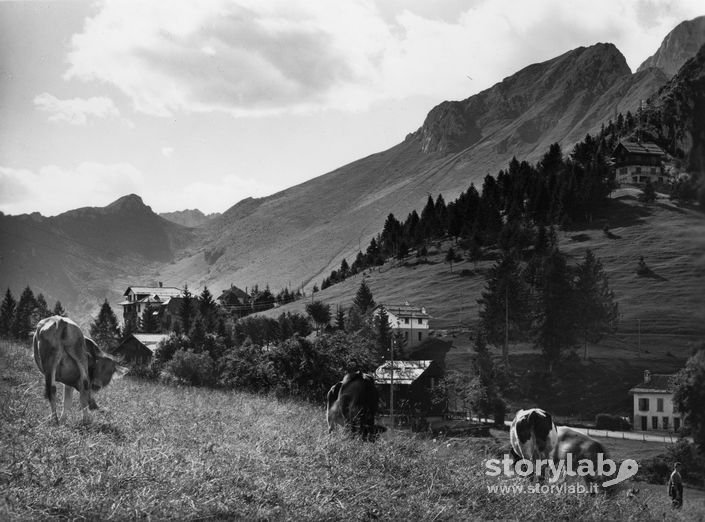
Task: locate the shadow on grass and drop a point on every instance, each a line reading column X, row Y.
column 618, row 213
column 647, row 272
column 103, row 428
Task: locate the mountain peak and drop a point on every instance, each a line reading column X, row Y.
column 677, row 47
column 537, row 96
column 128, row 203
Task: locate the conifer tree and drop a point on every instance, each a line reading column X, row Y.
column 599, row 313
column 105, row 330
column 186, row 310
column 42, row 309
column 363, row 299
column 383, row 331
column 504, row 305
column 148, row 322
column 7, row 314
column 555, row 313
column 23, row 324
column 59, row 309
column 340, row 318
column 207, row 308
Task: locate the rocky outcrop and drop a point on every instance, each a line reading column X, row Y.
column 681, row 103
column 529, row 104
column 679, row 46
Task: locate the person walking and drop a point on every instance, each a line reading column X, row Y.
column 675, row 486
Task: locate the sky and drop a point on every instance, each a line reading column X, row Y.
column 202, row 104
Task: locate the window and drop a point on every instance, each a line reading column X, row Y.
column 420, row 336
column 664, row 422
column 406, row 320
column 420, row 321
column 643, row 404
column 654, row 423
column 676, row 423
column 638, row 170
column 659, row 404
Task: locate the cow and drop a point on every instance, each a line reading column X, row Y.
column 63, row 354
column 532, row 436
column 352, row 403
column 579, row 447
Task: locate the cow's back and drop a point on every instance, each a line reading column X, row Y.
column 53, row 337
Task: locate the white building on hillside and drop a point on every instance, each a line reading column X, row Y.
column 412, row 322
column 653, row 403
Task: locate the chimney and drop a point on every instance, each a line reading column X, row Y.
column 160, row 284
column 647, row 376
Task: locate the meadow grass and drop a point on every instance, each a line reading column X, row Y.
column 164, row 452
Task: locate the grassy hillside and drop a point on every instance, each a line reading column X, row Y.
column 662, row 314
column 157, row 452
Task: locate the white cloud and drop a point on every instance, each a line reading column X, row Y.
column 55, row 189
column 76, row 110
column 257, row 57
column 167, row 152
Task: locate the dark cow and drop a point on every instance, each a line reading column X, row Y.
column 580, row 447
column 352, row 403
column 533, row 435
column 64, row 355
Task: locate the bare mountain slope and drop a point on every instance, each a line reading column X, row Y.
column 295, row 236
column 679, row 46
column 86, row 255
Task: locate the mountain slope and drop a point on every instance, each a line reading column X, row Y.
column 679, row 46
column 296, row 236
column 188, row 218
column 86, row 255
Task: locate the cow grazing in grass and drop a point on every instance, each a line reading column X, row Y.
column 533, row 436
column 64, row 355
column 579, row 447
column 352, row 403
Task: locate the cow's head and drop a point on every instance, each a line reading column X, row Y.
column 105, row 367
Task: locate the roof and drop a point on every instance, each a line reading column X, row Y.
column 659, row 383
column 240, row 294
column 150, row 340
column 404, row 310
column 641, row 148
column 405, row 372
column 161, row 291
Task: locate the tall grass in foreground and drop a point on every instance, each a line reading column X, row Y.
column 166, row 452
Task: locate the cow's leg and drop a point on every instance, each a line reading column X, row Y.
column 52, row 362
column 84, row 387
column 68, row 399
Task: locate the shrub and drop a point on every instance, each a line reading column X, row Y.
column 193, row 368
column 246, row 367
column 169, row 346
column 606, row 421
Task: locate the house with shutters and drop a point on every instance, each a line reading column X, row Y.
column 637, row 162
column 653, row 403
column 407, row 321
column 157, row 299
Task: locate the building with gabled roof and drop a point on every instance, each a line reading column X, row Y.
column 653, row 403
column 409, row 321
column 140, row 298
column 637, row 162
column 414, row 382
column 139, row 348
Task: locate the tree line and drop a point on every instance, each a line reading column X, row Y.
column 18, row 318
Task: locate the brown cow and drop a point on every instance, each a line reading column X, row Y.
column 352, row 403
column 64, row 355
